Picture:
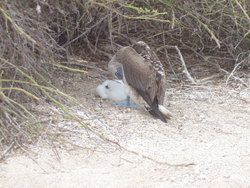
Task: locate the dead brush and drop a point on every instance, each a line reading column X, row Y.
column 28, row 50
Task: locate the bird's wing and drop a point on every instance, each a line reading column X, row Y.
column 145, row 51
column 138, row 73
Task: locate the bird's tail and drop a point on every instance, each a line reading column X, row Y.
column 159, row 111
column 165, row 111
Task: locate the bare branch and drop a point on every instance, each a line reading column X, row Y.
column 182, row 62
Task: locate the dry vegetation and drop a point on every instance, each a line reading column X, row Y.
column 37, row 35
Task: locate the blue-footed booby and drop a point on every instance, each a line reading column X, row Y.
column 143, row 76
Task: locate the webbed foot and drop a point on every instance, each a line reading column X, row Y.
column 127, row 103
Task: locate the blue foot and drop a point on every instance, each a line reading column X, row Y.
column 127, row 103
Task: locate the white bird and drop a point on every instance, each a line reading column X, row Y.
column 112, row 89
column 144, row 77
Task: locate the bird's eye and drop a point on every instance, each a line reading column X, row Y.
column 107, row 86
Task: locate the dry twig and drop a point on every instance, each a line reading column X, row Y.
column 182, row 62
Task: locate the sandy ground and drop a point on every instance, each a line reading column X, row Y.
column 211, row 130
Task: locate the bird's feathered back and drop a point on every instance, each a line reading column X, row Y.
column 144, row 50
column 138, row 73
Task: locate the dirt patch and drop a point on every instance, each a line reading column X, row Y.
column 211, row 129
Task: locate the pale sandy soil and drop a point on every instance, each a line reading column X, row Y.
column 211, row 129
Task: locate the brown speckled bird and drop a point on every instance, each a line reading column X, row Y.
column 144, row 77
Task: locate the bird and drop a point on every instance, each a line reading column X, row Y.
column 114, row 90
column 143, row 76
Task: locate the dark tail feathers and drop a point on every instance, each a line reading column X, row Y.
column 159, row 111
